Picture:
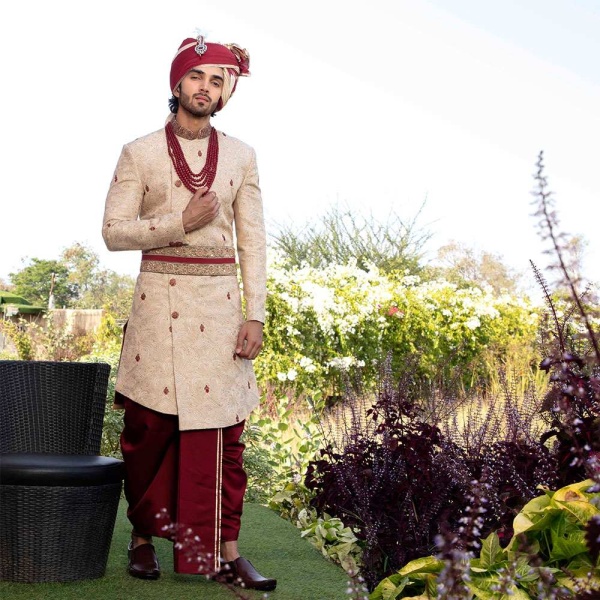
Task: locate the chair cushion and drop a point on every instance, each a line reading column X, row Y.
column 62, row 470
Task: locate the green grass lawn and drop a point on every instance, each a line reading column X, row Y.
column 273, row 545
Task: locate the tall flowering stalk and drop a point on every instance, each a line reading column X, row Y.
column 549, row 228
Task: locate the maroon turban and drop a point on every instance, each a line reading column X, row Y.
column 195, row 52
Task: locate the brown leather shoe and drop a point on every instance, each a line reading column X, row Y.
column 143, row 562
column 241, row 572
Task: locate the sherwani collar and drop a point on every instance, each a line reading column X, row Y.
column 188, row 134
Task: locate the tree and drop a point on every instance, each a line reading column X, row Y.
column 114, row 292
column 79, row 282
column 96, row 287
column 341, row 235
column 35, row 280
column 573, row 250
column 461, row 265
column 82, row 263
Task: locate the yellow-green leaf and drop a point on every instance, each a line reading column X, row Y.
column 491, row 551
column 427, row 564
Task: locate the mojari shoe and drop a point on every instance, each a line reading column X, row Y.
column 241, row 572
column 143, row 562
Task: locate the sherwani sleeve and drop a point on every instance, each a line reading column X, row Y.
column 123, row 229
column 251, row 243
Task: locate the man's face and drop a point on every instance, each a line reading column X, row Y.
column 200, row 90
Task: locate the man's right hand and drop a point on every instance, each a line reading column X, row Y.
column 201, row 210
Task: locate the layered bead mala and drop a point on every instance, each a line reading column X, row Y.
column 191, row 180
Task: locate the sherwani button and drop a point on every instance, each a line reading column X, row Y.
column 172, row 281
column 175, row 314
column 178, row 183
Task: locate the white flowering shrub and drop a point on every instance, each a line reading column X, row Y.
column 324, row 323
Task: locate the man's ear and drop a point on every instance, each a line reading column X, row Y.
column 177, row 91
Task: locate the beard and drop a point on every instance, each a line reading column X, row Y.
column 187, row 103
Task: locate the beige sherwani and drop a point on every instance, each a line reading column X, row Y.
column 178, row 351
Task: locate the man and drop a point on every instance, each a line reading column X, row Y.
column 188, row 196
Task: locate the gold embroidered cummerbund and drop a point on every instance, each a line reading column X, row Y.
column 190, row 260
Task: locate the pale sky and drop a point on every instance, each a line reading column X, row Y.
column 377, row 105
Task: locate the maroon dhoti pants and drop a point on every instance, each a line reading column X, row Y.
column 184, row 485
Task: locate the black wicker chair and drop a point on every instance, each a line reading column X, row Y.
column 58, row 497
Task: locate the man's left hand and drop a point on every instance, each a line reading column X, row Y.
column 250, row 339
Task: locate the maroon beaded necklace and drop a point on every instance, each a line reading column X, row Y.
column 191, row 180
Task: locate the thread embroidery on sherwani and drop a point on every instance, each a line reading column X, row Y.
column 169, row 268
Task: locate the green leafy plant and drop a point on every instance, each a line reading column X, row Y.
column 107, row 348
column 290, row 501
column 336, row 541
column 47, row 339
column 329, row 535
column 281, row 439
column 19, row 335
column 547, row 551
